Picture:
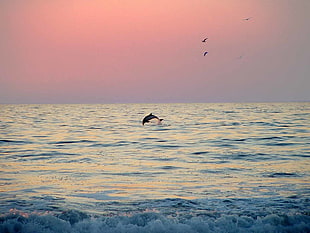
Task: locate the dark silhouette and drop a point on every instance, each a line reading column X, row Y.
column 149, row 117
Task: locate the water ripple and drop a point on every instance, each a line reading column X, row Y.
column 85, row 156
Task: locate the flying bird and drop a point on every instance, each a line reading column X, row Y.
column 247, row 18
column 205, row 53
column 204, row 40
column 149, row 117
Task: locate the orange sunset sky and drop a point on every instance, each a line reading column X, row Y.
column 141, row 51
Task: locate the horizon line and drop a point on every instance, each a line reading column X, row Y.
column 211, row 102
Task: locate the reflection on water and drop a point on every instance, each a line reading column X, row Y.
column 82, row 154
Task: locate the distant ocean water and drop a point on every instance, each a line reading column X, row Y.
column 208, row 168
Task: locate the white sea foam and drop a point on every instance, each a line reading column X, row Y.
column 152, row 223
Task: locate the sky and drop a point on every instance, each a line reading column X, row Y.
column 145, row 51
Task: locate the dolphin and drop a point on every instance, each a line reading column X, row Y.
column 149, row 117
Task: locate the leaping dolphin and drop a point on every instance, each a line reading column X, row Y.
column 149, row 117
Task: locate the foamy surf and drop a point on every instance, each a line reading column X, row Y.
column 78, row 222
column 169, row 215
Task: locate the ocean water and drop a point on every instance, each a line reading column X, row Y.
column 208, row 168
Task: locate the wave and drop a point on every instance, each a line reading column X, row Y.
column 72, row 142
column 79, row 222
column 13, row 142
column 283, row 174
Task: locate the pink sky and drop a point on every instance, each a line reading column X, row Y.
column 119, row 51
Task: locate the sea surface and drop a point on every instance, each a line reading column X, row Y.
column 207, row 168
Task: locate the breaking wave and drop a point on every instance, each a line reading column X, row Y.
column 79, row 222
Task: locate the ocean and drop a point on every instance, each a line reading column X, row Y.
column 222, row 167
